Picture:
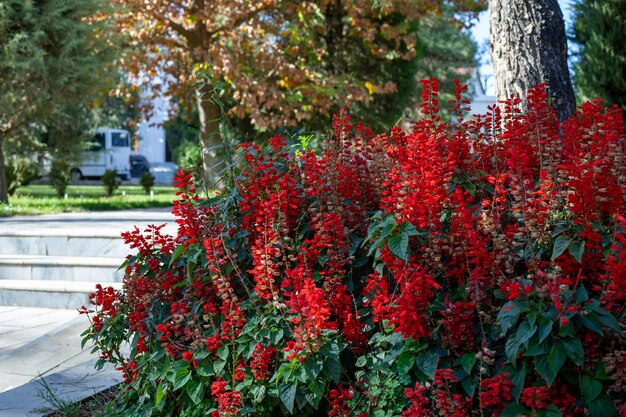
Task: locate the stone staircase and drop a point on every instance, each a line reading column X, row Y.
column 57, row 269
column 55, row 261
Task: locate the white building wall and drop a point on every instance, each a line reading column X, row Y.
column 152, row 134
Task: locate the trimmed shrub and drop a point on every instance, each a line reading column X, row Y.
column 147, row 181
column 109, row 180
column 59, row 177
column 452, row 270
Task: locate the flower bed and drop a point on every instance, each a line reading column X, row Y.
column 454, row 270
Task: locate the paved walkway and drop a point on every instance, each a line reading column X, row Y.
column 38, row 343
column 96, row 223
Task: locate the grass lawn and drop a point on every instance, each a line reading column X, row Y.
column 42, row 199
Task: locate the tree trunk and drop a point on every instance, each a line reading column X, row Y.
column 210, row 139
column 4, row 189
column 528, row 47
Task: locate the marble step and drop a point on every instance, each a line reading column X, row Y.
column 61, row 268
column 50, row 242
column 48, row 293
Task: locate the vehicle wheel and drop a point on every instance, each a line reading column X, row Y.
column 76, row 175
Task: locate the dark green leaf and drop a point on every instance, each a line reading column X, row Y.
column 602, row 407
column 525, row 331
column 287, row 394
column 195, row 390
column 313, row 368
column 223, row 352
column 467, row 362
column 592, row 323
column 315, row 393
column 427, row 363
column 399, row 245
column 577, row 248
column 409, row 229
column 218, row 366
column 332, row 368
column 205, row 369
column 513, row 410
column 181, row 378
column 574, row 349
column 590, row 388
column 517, row 376
column 511, row 348
column 405, row 362
column 551, row 411
column 545, row 327
column 469, row 385
column 556, row 358
column 510, row 312
column 581, row 294
column 559, row 229
column 560, row 244
column 544, row 369
column 258, row 393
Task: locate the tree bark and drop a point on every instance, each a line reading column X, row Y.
column 210, row 137
column 4, row 189
column 528, row 47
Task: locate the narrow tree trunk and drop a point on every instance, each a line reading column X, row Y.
column 528, row 47
column 210, row 138
column 4, row 189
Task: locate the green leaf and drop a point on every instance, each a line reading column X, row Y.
column 222, row 352
column 179, row 251
column 525, row 331
column 592, row 323
column 560, row 244
column 287, row 394
column 218, row 366
column 205, row 369
column 332, row 368
column 195, row 390
column 559, row 229
column 590, row 388
column 581, row 294
column 399, row 245
column 545, row 328
column 469, row 385
column 513, row 410
column 544, row 369
column 313, row 368
column 427, row 363
column 510, row 312
column 258, row 393
column 181, row 378
column 160, row 394
column 556, row 358
column 551, row 411
column 602, row 407
column 576, row 249
column 574, row 349
column 409, row 229
column 517, row 376
column 467, row 362
column 315, row 393
column 405, row 362
column 511, row 348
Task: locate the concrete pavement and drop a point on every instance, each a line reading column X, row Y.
column 38, row 343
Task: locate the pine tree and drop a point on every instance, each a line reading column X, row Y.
column 600, row 69
column 53, row 56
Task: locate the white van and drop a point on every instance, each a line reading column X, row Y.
column 110, row 151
